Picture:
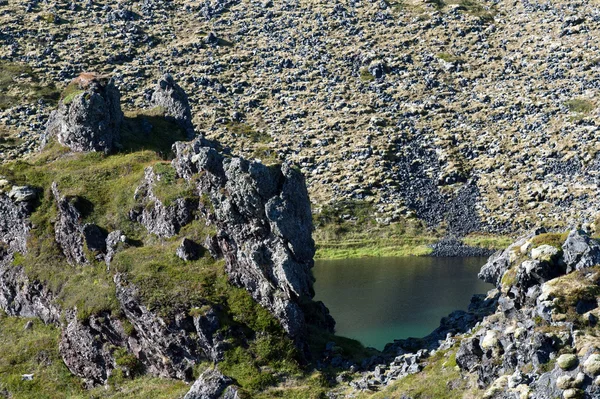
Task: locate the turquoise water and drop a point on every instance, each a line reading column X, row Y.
column 377, row 300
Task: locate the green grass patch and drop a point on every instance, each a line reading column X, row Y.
column 347, row 229
column 366, row 76
column 555, row 240
column 167, row 284
column 450, row 58
column 580, row 105
column 488, row 241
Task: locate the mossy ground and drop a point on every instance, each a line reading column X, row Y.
column 347, row 229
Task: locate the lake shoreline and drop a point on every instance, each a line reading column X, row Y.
column 474, row 245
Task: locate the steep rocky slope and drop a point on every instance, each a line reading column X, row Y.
column 478, row 113
column 156, row 268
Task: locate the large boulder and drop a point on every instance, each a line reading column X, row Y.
column 580, row 251
column 89, row 115
column 211, row 385
column 169, row 96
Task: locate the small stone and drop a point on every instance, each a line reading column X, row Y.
column 567, row 361
column 592, row 364
column 28, row 325
column 27, row 377
column 490, row 340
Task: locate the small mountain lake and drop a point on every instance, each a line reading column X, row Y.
column 377, row 300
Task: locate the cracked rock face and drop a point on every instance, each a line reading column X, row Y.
column 91, row 119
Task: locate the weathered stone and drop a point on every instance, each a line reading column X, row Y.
column 210, row 385
column 592, row 365
column 172, row 99
column 90, row 120
column 580, row 251
column 22, row 193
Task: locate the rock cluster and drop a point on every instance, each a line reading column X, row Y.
column 263, row 219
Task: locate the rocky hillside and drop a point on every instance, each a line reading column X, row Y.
column 473, row 115
column 152, row 268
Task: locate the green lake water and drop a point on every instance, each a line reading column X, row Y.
column 377, row 300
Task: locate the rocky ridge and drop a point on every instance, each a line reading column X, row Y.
column 262, row 228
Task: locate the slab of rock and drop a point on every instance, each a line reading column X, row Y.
column 88, row 119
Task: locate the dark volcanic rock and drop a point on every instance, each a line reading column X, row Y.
column 171, row 97
column 91, row 120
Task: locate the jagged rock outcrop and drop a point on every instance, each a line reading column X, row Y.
column 264, row 221
column 19, row 296
column 174, row 101
column 68, row 229
column 89, row 118
column 164, row 221
column 212, row 385
column 540, row 305
column 86, row 347
column 166, row 348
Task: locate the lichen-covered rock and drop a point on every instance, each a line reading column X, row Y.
column 210, row 385
column 567, row 361
column 90, row 118
column 68, row 229
column 264, row 220
column 169, row 96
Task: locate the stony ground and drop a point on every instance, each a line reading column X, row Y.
column 480, row 115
